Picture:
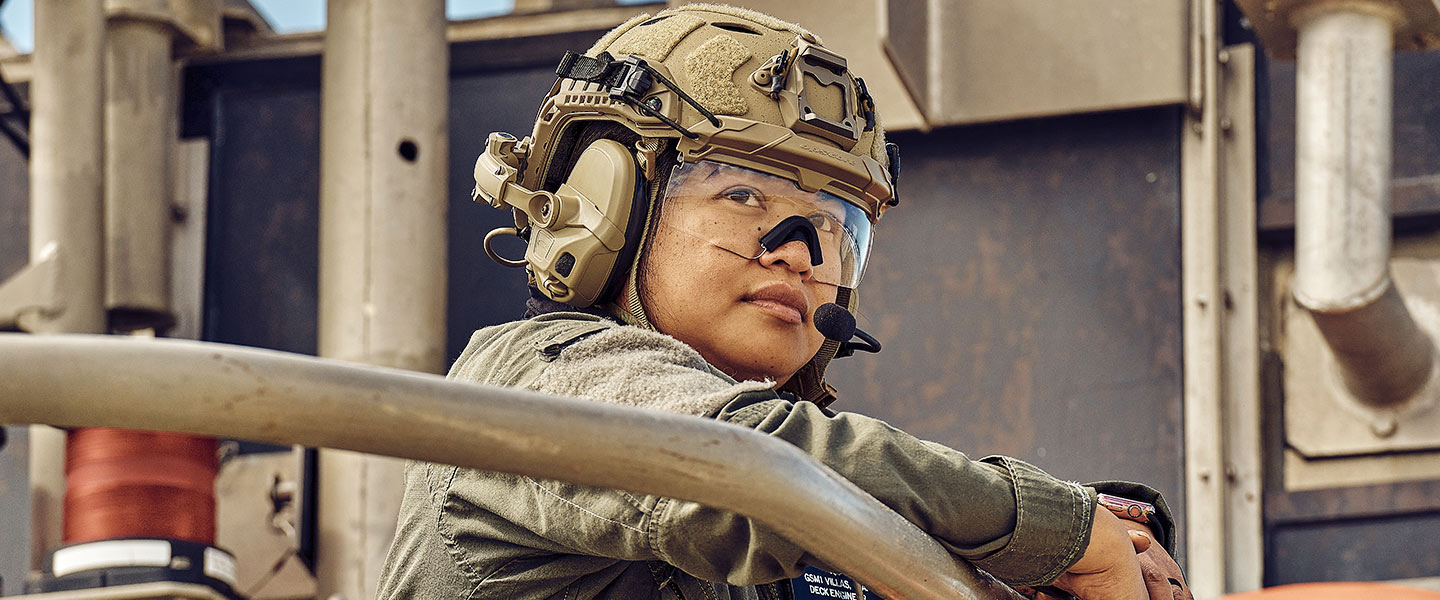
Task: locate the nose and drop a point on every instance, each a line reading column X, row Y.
column 793, row 255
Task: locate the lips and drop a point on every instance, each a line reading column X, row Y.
column 781, row 301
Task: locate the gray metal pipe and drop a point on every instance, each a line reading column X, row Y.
column 1343, row 214
column 213, row 389
column 66, row 215
column 140, row 117
column 383, row 204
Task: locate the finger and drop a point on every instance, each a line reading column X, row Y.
column 1140, row 540
column 1157, row 583
column 1180, row 590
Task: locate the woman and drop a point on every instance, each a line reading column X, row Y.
column 697, row 187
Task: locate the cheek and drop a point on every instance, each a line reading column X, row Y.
column 678, row 278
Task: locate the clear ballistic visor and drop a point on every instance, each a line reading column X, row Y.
column 734, row 207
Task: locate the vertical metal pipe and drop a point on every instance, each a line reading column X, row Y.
column 66, row 215
column 382, row 246
column 1343, row 229
column 140, row 101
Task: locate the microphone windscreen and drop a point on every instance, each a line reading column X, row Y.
column 834, row 322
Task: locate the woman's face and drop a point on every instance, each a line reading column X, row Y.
column 750, row 317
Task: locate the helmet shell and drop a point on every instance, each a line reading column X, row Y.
column 781, row 102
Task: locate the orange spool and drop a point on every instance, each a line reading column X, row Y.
column 139, row 484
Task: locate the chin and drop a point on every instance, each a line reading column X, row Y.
column 775, row 354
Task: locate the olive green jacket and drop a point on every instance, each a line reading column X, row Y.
column 472, row 534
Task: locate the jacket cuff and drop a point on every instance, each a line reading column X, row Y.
column 1163, row 525
column 1052, row 526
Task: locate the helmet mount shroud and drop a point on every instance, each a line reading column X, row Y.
column 696, row 82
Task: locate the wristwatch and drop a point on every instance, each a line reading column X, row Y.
column 1130, row 510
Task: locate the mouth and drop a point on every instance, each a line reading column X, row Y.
column 780, row 301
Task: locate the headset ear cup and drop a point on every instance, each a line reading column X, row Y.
column 586, row 240
column 636, row 225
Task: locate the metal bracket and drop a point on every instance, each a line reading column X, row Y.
column 827, row 69
column 1322, row 418
column 259, row 501
column 34, row 290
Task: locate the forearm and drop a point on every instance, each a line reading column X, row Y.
column 1004, row 515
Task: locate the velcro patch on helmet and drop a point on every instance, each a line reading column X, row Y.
column 711, row 68
column 657, row 38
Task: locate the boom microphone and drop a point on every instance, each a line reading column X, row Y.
column 834, row 322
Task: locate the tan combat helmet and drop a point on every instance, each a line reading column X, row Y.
column 697, row 82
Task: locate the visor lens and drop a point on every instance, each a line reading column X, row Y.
column 734, row 207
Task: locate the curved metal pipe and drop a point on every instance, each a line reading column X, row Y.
column 1343, row 229
column 213, row 389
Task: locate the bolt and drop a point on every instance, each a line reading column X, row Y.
column 1384, row 426
column 1226, row 124
column 180, row 563
column 1223, row 57
column 654, row 103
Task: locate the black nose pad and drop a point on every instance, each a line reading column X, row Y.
column 792, row 229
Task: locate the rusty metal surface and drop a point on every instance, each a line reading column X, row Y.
column 263, row 245
column 1027, row 291
column 1416, row 179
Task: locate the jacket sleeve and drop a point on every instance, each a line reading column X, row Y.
column 1003, row 515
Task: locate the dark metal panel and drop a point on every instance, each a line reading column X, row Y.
column 1416, row 182
column 1360, row 502
column 1027, row 291
column 1360, row 550
column 482, row 292
column 14, row 210
column 263, row 242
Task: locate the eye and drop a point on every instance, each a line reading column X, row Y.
column 744, row 196
column 825, row 222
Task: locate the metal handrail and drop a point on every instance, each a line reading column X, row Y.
column 220, row 390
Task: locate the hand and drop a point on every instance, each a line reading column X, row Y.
column 1110, row 568
column 1162, row 576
